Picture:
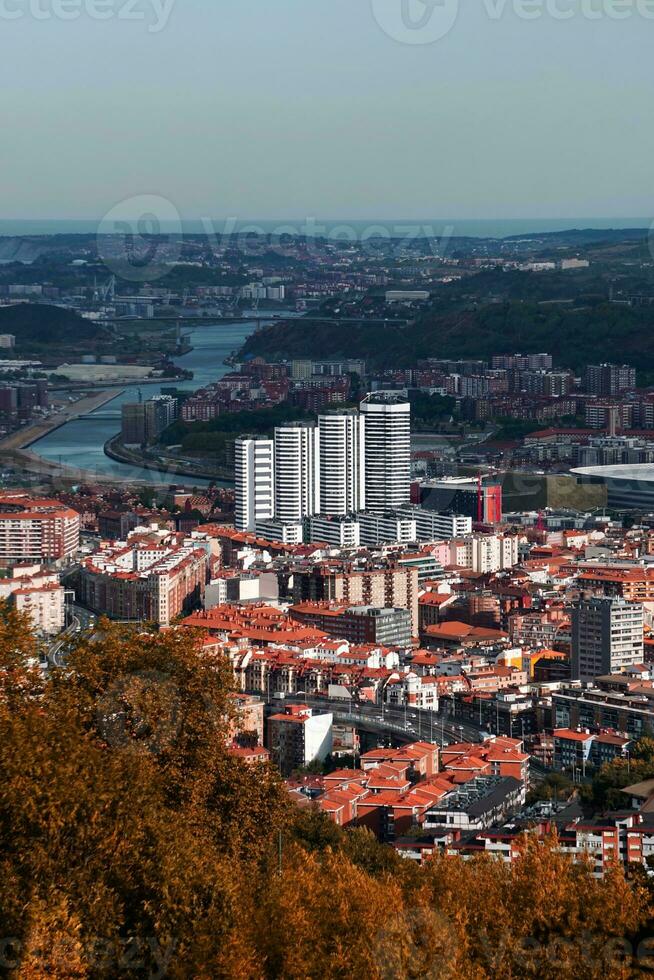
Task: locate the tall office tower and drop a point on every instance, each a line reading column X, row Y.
column 387, row 420
column 607, row 636
column 255, row 486
column 297, row 471
column 342, row 462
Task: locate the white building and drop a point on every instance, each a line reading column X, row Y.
column 298, row 736
column 485, row 553
column 387, row 420
column 284, row 532
column 385, row 529
column 37, row 591
column 342, row 462
column 431, row 526
column 297, row 471
column 254, row 473
column 44, row 604
column 342, row 532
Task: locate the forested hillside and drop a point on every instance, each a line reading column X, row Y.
column 573, row 334
column 134, row 844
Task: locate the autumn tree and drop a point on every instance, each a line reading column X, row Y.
column 132, row 841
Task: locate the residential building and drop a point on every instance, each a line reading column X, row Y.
column 36, row 530
column 385, row 586
column 144, row 582
column 385, row 528
column 255, row 482
column 298, row 736
column 387, row 423
column 358, row 624
column 607, row 636
column 297, row 471
column 143, row 422
column 36, row 591
column 432, row 526
column 342, row 462
column 342, row 532
column 45, row 606
column 607, row 380
column 477, row 804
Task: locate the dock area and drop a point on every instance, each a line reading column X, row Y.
column 29, row 434
column 14, row 448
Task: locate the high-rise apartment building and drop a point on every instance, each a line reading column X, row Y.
column 342, row 462
column 255, row 486
column 387, row 421
column 607, row 636
column 132, row 426
column 607, row 380
column 143, row 422
column 297, row 471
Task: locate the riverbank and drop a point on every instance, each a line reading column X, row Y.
column 14, row 449
column 29, row 434
column 115, row 450
column 81, row 443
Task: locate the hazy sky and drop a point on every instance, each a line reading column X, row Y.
column 294, row 108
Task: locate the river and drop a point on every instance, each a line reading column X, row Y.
column 81, row 443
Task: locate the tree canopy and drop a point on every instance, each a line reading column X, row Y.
column 133, row 843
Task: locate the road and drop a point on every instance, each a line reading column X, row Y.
column 81, row 619
column 435, row 726
column 407, row 724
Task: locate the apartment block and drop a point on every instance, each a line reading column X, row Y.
column 36, row 530
column 153, row 583
column 607, row 636
column 298, row 736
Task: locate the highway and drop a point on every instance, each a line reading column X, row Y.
column 81, row 619
column 411, row 723
column 406, row 724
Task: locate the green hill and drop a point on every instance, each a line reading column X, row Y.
column 575, row 335
column 35, row 324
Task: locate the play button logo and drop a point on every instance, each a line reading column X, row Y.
column 416, row 21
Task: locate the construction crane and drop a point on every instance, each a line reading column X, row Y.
column 108, row 292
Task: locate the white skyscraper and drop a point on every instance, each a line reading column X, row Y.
column 387, row 420
column 342, row 462
column 297, row 471
column 254, row 474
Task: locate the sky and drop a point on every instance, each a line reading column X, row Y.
column 353, row 109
